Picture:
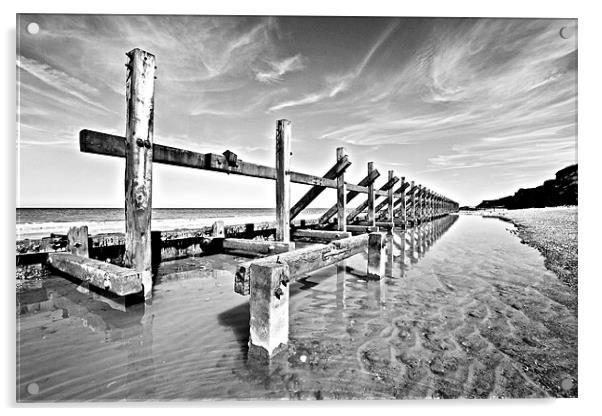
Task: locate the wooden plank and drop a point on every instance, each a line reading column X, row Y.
column 283, row 180
column 258, row 246
column 304, row 260
column 320, row 236
column 341, row 194
column 361, row 207
column 371, row 217
column 337, row 169
column 140, row 96
column 77, row 238
column 110, row 145
column 119, row 280
column 367, row 180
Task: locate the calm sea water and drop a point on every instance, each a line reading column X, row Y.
column 465, row 310
column 40, row 222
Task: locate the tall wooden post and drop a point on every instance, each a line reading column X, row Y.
column 419, row 205
column 341, row 195
column 283, row 180
column 404, row 216
column 424, row 204
column 140, row 97
column 371, row 216
column 390, row 202
column 413, row 203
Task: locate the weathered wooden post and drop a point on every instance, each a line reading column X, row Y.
column 413, row 203
column 77, row 241
column 419, row 204
column 283, row 180
column 390, row 203
column 375, row 256
column 140, row 97
column 423, row 204
column 402, row 208
column 341, row 195
column 371, row 216
column 269, row 308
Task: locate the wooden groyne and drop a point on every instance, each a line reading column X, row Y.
column 124, row 263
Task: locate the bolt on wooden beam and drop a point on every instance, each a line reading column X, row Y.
column 283, row 181
column 140, row 97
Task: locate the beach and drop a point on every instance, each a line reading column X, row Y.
column 553, row 231
column 465, row 310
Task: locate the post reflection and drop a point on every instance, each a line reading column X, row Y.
column 126, row 329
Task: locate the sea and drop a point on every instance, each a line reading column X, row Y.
column 33, row 223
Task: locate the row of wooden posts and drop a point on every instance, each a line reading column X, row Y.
column 266, row 279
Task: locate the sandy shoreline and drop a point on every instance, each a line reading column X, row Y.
column 552, row 231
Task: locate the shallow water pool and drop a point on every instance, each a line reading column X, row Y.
column 465, row 310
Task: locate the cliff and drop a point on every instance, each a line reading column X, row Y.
column 561, row 190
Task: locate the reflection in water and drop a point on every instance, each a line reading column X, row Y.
column 467, row 320
column 87, row 310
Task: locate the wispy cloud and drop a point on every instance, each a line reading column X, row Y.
column 61, row 81
column 279, row 68
column 339, row 83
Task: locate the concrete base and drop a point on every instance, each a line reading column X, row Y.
column 269, row 303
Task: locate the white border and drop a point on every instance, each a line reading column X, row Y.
column 590, row 136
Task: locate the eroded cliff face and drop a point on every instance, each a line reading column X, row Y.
column 554, row 192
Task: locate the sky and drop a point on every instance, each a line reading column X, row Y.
column 471, row 108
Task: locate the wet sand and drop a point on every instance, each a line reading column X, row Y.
column 553, row 231
column 466, row 310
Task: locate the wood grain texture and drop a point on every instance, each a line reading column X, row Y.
column 140, row 95
column 341, row 194
column 371, row 216
column 367, row 180
column 333, row 173
column 283, row 180
column 361, row 207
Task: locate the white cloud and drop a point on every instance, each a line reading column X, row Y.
column 280, row 68
column 61, row 81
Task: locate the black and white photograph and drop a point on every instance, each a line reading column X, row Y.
column 295, row 207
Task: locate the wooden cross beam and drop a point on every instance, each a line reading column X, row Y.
column 335, row 171
column 367, row 180
column 99, row 143
column 383, row 191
